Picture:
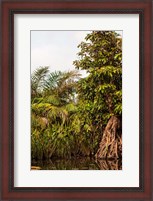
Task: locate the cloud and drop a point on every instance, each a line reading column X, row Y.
column 57, row 49
column 80, row 35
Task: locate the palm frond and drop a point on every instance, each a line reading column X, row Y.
column 52, row 80
column 38, row 79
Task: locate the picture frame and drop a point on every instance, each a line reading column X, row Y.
column 9, row 8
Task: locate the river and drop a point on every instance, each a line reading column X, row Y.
column 78, row 163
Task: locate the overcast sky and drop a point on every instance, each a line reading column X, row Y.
column 56, row 49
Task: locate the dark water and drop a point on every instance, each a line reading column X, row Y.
column 81, row 163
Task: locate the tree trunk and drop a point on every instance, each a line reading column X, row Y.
column 111, row 142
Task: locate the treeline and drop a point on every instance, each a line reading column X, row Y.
column 70, row 114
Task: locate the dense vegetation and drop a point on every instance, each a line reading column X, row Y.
column 74, row 116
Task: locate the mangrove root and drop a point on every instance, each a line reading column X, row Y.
column 111, row 142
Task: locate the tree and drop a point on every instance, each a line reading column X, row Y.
column 100, row 93
column 73, row 116
column 53, row 108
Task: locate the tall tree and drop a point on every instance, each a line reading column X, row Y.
column 100, row 93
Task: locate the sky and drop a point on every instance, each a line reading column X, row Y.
column 56, row 49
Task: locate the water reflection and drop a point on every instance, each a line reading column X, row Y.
column 83, row 163
column 115, row 164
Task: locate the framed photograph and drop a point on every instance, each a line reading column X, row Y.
column 76, row 100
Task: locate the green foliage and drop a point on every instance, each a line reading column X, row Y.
column 101, row 56
column 69, row 113
column 100, row 93
column 53, row 113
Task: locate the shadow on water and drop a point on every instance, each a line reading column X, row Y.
column 80, row 163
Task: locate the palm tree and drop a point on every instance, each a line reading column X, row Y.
column 62, row 85
column 52, row 106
